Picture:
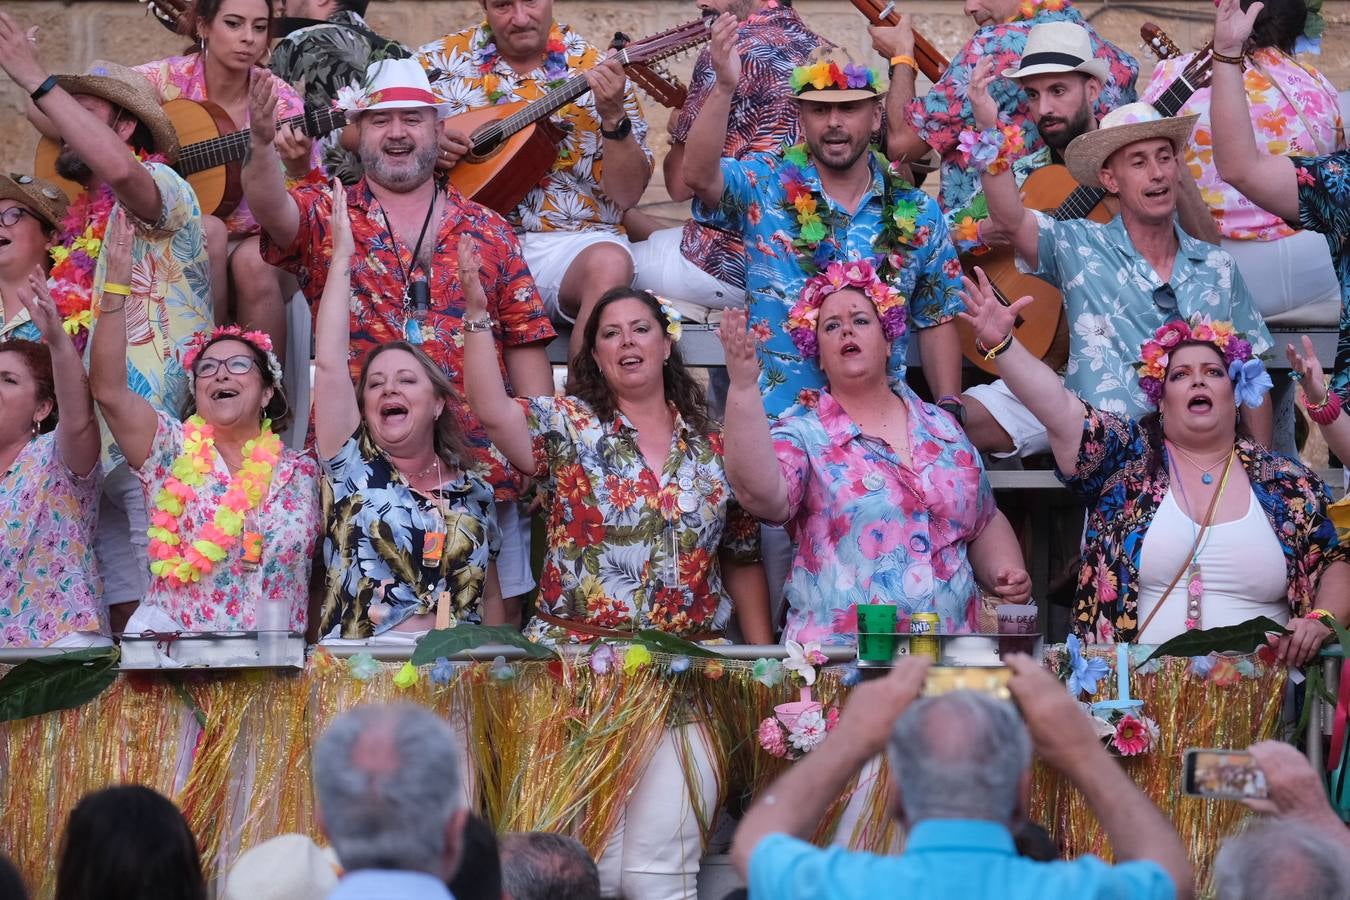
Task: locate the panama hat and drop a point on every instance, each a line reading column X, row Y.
column 42, row 197
column 392, row 84
column 1121, row 127
column 287, row 867
column 1059, row 47
column 133, row 92
column 825, row 79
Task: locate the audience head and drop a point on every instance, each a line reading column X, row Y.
column 1062, row 80
column 398, row 117
column 31, row 211
column 128, row 843
column 235, row 33
column 847, row 317
column 1133, row 153
column 741, row 9
column 839, row 108
column 287, row 867
column 1282, row 858
column 991, row 12
column 629, row 348
column 520, row 28
column 538, row 865
column 388, row 786
column 962, row 755
column 1279, row 24
column 27, row 391
column 479, row 876
column 126, row 102
column 11, row 882
column 235, row 378
column 407, row 400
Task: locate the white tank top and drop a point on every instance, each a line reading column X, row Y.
column 1241, row 565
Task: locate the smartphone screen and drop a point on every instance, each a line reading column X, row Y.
column 1229, row 774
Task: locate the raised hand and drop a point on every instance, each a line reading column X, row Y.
column 738, row 347
column 893, row 40
column 981, row 104
column 19, row 56
column 42, row 309
column 726, row 61
column 992, row 321
column 1232, row 26
column 475, row 301
column 1307, row 371
column 117, row 248
column 340, row 224
column 262, row 111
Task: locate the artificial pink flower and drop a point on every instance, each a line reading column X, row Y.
column 771, row 737
column 1132, row 736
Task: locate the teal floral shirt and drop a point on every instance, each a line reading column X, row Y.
column 1324, row 206
column 1115, row 301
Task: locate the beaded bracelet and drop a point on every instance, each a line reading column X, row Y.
column 991, row 353
column 1321, row 615
column 1327, row 411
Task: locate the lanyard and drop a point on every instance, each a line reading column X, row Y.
column 406, row 275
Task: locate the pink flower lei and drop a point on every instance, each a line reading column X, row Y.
column 1154, row 354
column 838, row 276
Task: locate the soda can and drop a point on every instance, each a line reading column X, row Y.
column 923, row 628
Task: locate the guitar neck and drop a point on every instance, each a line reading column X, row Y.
column 1079, row 204
column 230, row 148
column 931, row 62
column 1170, row 102
column 546, row 105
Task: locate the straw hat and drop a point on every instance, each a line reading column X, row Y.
column 393, row 84
column 42, row 197
column 1119, row 128
column 827, row 79
column 287, row 867
column 133, row 92
column 1059, row 47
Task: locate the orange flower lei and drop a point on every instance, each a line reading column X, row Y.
column 249, row 485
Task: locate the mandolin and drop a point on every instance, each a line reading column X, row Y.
column 1042, row 327
column 931, row 62
column 513, row 146
column 653, row 79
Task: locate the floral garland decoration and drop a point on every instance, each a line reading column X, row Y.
column 1120, row 723
column 827, row 75
column 486, row 56
column 169, row 558
column 1030, row 9
column 838, row 275
column 991, row 150
column 798, row 727
column 1250, row 379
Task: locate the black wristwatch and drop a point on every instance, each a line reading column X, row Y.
column 955, row 407
column 618, row 134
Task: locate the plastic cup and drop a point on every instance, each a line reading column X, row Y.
column 1017, row 619
column 876, row 633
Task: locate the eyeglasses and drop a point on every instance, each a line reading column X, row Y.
column 235, row 365
column 11, row 217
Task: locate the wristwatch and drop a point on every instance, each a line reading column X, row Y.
column 618, row 134
column 954, row 406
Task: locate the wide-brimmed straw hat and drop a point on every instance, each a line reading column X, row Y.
column 45, row 199
column 133, row 92
column 1119, row 128
column 1059, row 47
column 831, row 76
column 287, row 867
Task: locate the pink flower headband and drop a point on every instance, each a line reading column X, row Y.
column 1250, row 379
column 838, row 276
column 258, row 339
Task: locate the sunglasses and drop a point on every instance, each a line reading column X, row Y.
column 12, row 216
column 235, row 365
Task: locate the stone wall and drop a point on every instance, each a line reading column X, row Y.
column 73, row 33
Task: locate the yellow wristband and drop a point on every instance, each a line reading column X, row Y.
column 904, row 59
column 120, row 289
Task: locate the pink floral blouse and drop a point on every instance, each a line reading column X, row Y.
column 868, row 529
column 49, row 586
column 289, row 520
column 184, row 78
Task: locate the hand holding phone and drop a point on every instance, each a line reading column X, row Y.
column 1223, row 774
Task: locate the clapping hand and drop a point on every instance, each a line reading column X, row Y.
column 992, row 321
column 738, row 347
column 37, row 299
column 726, row 61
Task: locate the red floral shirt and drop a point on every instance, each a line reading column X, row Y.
column 378, row 312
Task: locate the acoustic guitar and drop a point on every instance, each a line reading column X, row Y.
column 513, row 146
column 211, row 158
column 931, row 62
column 1042, row 326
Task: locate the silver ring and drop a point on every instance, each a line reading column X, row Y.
column 1295, row 375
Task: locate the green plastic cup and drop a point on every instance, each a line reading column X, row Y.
column 876, row 633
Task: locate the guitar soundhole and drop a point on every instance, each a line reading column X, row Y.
column 484, row 142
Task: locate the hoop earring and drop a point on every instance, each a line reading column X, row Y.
column 36, row 426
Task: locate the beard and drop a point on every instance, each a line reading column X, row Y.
column 71, row 167
column 400, row 176
column 1074, row 127
column 834, row 161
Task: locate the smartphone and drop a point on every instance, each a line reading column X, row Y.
column 1226, row 774
column 986, row 679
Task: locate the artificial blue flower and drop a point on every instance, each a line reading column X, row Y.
column 679, row 665
column 363, row 666
column 1251, row 381
column 442, row 671
column 501, row 670
column 1084, row 672
column 1305, row 44
column 850, row 675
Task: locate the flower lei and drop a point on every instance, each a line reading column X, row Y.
column 1250, row 379
column 486, row 56
column 991, row 150
column 899, row 217
column 802, row 319
column 180, row 565
column 1029, row 9
column 826, row 75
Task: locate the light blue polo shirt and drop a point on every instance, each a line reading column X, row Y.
column 945, row 859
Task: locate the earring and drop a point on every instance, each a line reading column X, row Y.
column 36, row 426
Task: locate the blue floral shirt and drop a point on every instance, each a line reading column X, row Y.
column 1324, row 206
column 866, row 528
column 1115, row 301
column 754, row 203
column 1115, row 479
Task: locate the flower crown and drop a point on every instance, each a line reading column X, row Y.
column 1250, row 380
column 674, row 318
column 257, row 339
column 836, row 277
column 827, row 75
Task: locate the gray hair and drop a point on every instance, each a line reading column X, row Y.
column 537, row 865
column 1282, row 858
column 388, row 783
column 959, row 756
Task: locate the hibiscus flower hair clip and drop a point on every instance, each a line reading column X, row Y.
column 674, row 318
column 1249, row 376
column 256, row 339
column 859, row 275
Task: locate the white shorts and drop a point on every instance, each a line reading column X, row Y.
column 661, row 268
column 514, row 572
column 550, row 254
column 1028, row 434
column 1288, row 274
column 121, row 545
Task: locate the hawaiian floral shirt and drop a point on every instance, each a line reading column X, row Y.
column 1324, row 207
column 184, row 78
column 771, row 43
column 320, row 60
column 170, row 297
column 866, row 528
column 628, row 548
column 1115, row 301
column 754, row 202
column 940, row 115
column 226, row 598
column 49, row 584
column 379, row 313
column 466, row 71
column 376, row 537
column 1114, row 479
column 1295, row 112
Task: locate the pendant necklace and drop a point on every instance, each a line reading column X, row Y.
column 1205, row 476
column 416, row 294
